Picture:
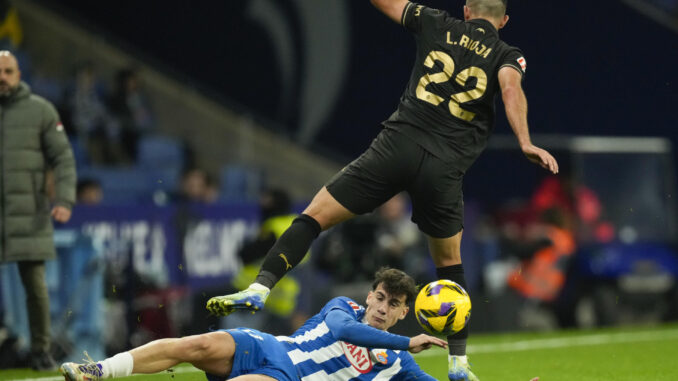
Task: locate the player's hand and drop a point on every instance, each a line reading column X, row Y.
column 540, row 157
column 423, row 342
column 61, row 214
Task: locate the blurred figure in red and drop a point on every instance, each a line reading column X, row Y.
column 578, row 202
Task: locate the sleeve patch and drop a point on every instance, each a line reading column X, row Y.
column 59, row 127
column 354, row 306
column 523, row 63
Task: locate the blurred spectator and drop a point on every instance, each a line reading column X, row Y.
column 275, row 209
column 196, row 186
column 89, row 192
column 579, row 205
column 76, row 285
column 93, row 125
column 541, row 273
column 131, row 109
column 276, row 216
column 346, row 252
column 212, row 191
column 399, row 242
column 539, row 278
column 538, row 241
column 350, row 252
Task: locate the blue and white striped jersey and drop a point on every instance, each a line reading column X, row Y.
column 319, row 356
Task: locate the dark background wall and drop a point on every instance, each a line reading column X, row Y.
column 594, row 67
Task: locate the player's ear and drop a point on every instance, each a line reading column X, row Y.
column 504, row 21
column 404, row 313
column 467, row 13
column 369, row 295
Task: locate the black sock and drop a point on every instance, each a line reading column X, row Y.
column 457, row 342
column 288, row 250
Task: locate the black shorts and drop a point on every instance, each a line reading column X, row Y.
column 394, row 163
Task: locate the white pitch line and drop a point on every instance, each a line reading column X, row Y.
column 566, row 342
column 183, row 369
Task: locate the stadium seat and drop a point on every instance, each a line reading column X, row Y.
column 79, row 151
column 240, row 183
column 163, row 179
column 120, row 185
column 156, row 151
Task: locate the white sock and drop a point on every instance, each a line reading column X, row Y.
column 259, row 287
column 120, row 365
column 462, row 359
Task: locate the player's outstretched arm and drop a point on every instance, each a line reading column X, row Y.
column 391, row 8
column 423, row 342
column 515, row 105
column 345, row 327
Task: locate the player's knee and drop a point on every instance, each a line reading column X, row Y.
column 326, row 210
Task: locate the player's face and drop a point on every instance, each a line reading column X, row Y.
column 9, row 75
column 384, row 310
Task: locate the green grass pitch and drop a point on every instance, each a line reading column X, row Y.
column 619, row 354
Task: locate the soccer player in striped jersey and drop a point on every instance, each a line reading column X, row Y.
column 345, row 341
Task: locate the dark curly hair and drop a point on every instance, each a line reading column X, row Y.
column 396, row 283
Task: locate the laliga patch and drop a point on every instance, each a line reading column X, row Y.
column 523, row 63
column 359, row 357
column 60, row 126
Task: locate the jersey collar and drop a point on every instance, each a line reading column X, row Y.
column 488, row 26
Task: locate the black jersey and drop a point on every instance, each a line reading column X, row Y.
column 448, row 106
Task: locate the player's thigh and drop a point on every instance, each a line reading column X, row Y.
column 218, row 356
column 258, row 353
column 381, row 172
column 437, row 199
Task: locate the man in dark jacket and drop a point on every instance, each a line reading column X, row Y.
column 32, row 140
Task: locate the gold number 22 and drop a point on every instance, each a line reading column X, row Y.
column 444, row 76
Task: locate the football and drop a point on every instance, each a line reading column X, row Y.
column 442, row 307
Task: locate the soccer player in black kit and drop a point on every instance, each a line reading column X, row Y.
column 442, row 124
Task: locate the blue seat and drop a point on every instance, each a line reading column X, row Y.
column 156, row 151
column 79, row 151
column 240, row 183
column 119, row 185
column 163, row 179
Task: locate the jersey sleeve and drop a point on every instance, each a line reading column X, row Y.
column 419, row 18
column 514, row 58
column 347, row 305
column 343, row 320
column 411, row 371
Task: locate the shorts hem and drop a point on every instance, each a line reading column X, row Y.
column 330, row 186
column 440, row 234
